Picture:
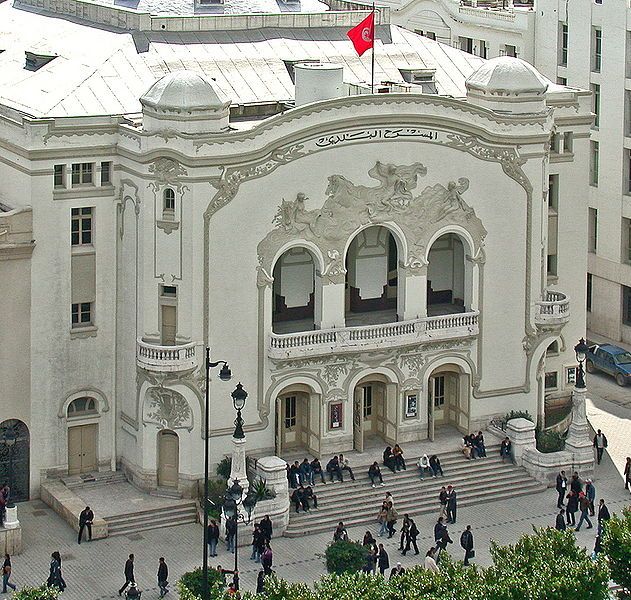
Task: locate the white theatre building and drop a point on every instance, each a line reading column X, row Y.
column 372, row 267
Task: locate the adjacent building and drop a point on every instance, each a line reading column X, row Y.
column 373, row 267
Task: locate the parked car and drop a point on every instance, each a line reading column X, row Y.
column 610, row 359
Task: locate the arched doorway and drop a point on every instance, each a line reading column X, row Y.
column 298, row 420
column 448, row 399
column 448, row 277
column 82, row 439
column 168, row 459
column 372, row 278
column 294, row 292
column 374, row 412
column 15, row 458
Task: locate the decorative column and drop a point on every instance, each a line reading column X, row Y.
column 578, row 440
column 11, row 517
column 333, row 292
column 415, row 292
column 238, row 470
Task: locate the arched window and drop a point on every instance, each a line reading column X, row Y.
column 82, row 407
column 168, row 207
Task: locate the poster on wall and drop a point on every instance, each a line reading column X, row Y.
column 411, row 405
column 570, row 375
column 335, row 415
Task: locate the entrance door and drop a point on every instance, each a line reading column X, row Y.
column 82, row 449
column 358, row 420
column 168, row 459
column 169, row 324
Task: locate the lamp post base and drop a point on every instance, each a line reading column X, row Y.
column 238, row 469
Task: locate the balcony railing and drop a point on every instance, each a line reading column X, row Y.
column 554, row 309
column 349, row 339
column 166, row 358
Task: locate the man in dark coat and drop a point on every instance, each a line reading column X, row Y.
column 231, row 533
column 85, row 522
column 560, row 521
column 398, row 570
column 411, row 535
column 466, row 541
column 600, row 443
column 561, row 488
column 603, row 516
column 333, row 468
column 129, row 573
column 213, row 537
column 451, row 504
column 442, row 543
column 576, row 485
column 438, row 529
column 266, row 527
column 382, row 559
column 163, row 577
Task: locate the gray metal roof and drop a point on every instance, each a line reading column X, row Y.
column 187, row 7
column 101, row 71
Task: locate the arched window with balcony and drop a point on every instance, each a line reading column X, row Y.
column 294, row 292
column 372, row 278
column 449, row 276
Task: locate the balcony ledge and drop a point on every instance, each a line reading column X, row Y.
column 163, row 359
column 553, row 310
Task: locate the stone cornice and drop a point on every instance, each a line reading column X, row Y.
column 16, row 251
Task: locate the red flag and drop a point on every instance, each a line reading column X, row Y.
column 363, row 35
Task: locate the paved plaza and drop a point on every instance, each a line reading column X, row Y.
column 94, row 571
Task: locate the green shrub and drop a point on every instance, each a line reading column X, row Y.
column 224, row 467
column 41, row 592
column 549, row 441
column 519, row 414
column 190, row 584
column 261, row 491
column 344, row 557
column 617, row 547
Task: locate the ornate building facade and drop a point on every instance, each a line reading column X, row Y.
column 372, row 266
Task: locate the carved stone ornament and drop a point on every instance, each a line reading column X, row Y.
column 167, row 408
column 348, row 207
column 167, row 171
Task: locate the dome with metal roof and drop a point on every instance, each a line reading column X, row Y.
column 507, row 76
column 182, row 91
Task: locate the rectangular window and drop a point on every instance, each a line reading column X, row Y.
column 626, row 241
column 82, row 173
column 367, row 401
column 106, row 173
column 593, row 163
column 589, row 292
column 82, row 314
column 482, row 49
column 555, row 143
column 81, row 228
column 627, row 172
column 168, row 291
column 60, row 176
column 592, row 230
column 552, row 264
column 597, row 48
column 568, row 142
column 431, row 35
column 563, row 38
column 290, row 412
column 626, row 305
column 553, row 192
column 438, row 389
column 551, row 380
column 562, row 80
column 466, row 44
column 510, row 50
column 596, row 103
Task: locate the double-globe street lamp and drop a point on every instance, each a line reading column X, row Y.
column 225, row 375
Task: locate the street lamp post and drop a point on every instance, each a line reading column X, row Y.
column 225, row 375
column 581, row 350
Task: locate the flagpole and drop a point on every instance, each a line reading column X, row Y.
column 374, row 29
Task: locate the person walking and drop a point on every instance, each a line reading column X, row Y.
column 466, row 541
column 442, row 499
column 267, row 559
column 266, row 527
column 260, row 582
column 600, row 443
column 231, row 533
column 405, row 526
column 441, row 544
column 430, row 561
column 451, row 504
column 583, row 503
column 561, row 487
column 590, row 492
column 85, row 522
column 412, row 534
column 55, row 578
column 603, row 515
column 391, row 519
column 213, row 537
column 438, row 529
column 572, row 507
column 383, row 560
column 627, row 473
column 560, row 521
column 6, row 574
column 382, row 518
column 129, row 573
column 163, row 576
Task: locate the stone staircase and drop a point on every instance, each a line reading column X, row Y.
column 357, row 503
column 93, row 479
column 140, row 520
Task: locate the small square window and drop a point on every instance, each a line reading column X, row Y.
column 82, row 314
column 82, row 173
column 170, row 291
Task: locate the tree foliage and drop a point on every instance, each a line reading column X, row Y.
column 617, row 546
column 190, row 584
column 345, row 557
column 41, row 592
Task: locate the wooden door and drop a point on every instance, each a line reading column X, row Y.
column 168, row 324
column 168, row 459
column 358, row 419
column 82, row 454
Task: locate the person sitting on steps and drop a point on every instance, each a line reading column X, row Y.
column 345, row 466
column 435, row 466
column 299, row 499
column 306, row 473
column 399, row 461
column 316, row 468
column 388, row 459
column 423, row 466
column 374, row 473
column 310, row 497
column 333, row 467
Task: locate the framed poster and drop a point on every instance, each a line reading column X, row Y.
column 570, row 375
column 335, row 415
column 411, row 406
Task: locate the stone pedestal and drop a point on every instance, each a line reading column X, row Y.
column 521, row 433
column 238, row 470
column 11, row 518
column 578, row 441
column 11, row 540
column 273, row 470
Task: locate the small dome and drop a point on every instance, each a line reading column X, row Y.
column 506, row 75
column 182, row 91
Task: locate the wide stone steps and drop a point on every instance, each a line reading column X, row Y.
column 94, row 479
column 357, row 503
column 139, row 521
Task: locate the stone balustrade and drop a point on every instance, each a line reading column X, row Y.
column 349, row 339
column 554, row 309
column 166, row 358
